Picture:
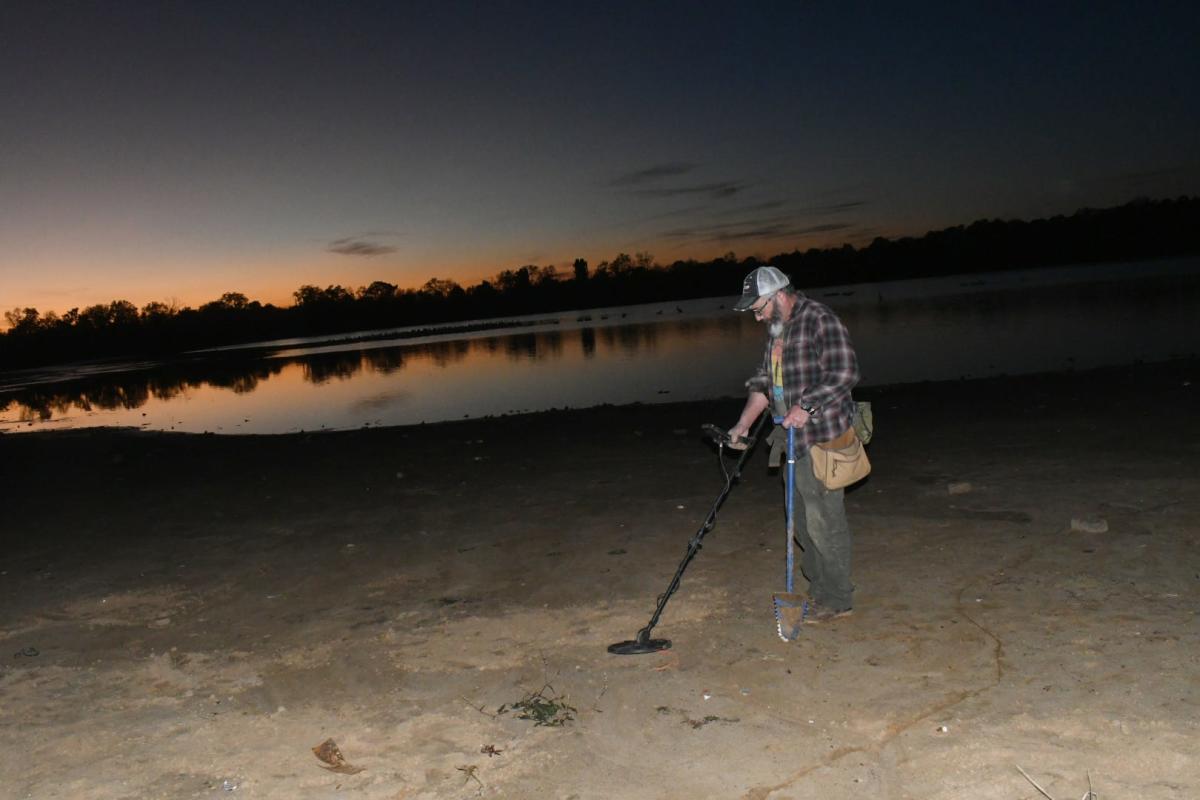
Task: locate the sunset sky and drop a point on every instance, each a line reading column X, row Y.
column 179, row 150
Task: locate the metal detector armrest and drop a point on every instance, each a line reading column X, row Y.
column 722, row 437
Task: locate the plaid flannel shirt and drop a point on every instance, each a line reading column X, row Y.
column 819, row 370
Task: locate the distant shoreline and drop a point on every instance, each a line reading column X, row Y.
column 963, row 283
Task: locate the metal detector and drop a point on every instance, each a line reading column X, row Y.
column 643, row 643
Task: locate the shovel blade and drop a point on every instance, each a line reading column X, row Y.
column 790, row 610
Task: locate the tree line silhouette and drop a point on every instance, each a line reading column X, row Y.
column 1142, row 229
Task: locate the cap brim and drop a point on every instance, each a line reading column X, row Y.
column 745, row 303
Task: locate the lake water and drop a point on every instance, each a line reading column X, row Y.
column 904, row 331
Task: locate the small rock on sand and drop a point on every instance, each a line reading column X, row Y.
column 1089, row 525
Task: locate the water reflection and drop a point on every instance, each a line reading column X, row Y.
column 242, row 374
column 130, row 391
column 325, row 367
column 386, row 361
column 533, row 345
column 630, row 339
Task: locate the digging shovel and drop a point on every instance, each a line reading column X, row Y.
column 790, row 607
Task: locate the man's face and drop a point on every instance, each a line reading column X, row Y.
column 768, row 310
column 763, row 307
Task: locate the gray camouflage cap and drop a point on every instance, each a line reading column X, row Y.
column 762, row 282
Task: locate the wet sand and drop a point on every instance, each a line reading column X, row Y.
column 187, row 616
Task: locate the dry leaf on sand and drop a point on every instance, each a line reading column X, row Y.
column 328, row 752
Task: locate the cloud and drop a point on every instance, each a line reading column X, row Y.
column 359, row 246
column 766, row 205
column 636, row 182
column 833, row 208
column 771, row 228
column 718, row 190
column 826, row 228
column 756, row 221
column 653, row 173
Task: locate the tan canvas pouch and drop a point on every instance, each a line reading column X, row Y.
column 840, row 442
column 840, row 461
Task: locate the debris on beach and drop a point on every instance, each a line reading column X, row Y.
column 469, row 770
column 959, row 487
column 1089, row 525
column 329, row 752
column 550, row 709
column 1088, row 795
column 697, row 724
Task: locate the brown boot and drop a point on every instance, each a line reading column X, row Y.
column 818, row 613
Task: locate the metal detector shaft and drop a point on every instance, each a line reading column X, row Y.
column 694, row 544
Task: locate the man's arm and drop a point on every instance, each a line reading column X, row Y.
column 839, row 364
column 756, row 404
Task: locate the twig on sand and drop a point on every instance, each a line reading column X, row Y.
column 1035, row 783
column 596, row 702
column 669, row 661
column 470, row 770
column 477, row 708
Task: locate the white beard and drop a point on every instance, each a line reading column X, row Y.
column 775, row 328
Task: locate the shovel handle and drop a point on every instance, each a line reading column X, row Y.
column 789, row 504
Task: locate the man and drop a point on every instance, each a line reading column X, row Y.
column 808, row 371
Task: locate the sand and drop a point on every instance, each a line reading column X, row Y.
column 188, row 616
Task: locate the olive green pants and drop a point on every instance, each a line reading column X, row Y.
column 823, row 533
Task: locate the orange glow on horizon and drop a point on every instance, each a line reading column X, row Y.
column 273, row 281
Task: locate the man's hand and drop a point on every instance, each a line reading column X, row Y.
column 737, row 436
column 796, row 417
column 756, row 403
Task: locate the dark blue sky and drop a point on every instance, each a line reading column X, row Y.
column 158, row 151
